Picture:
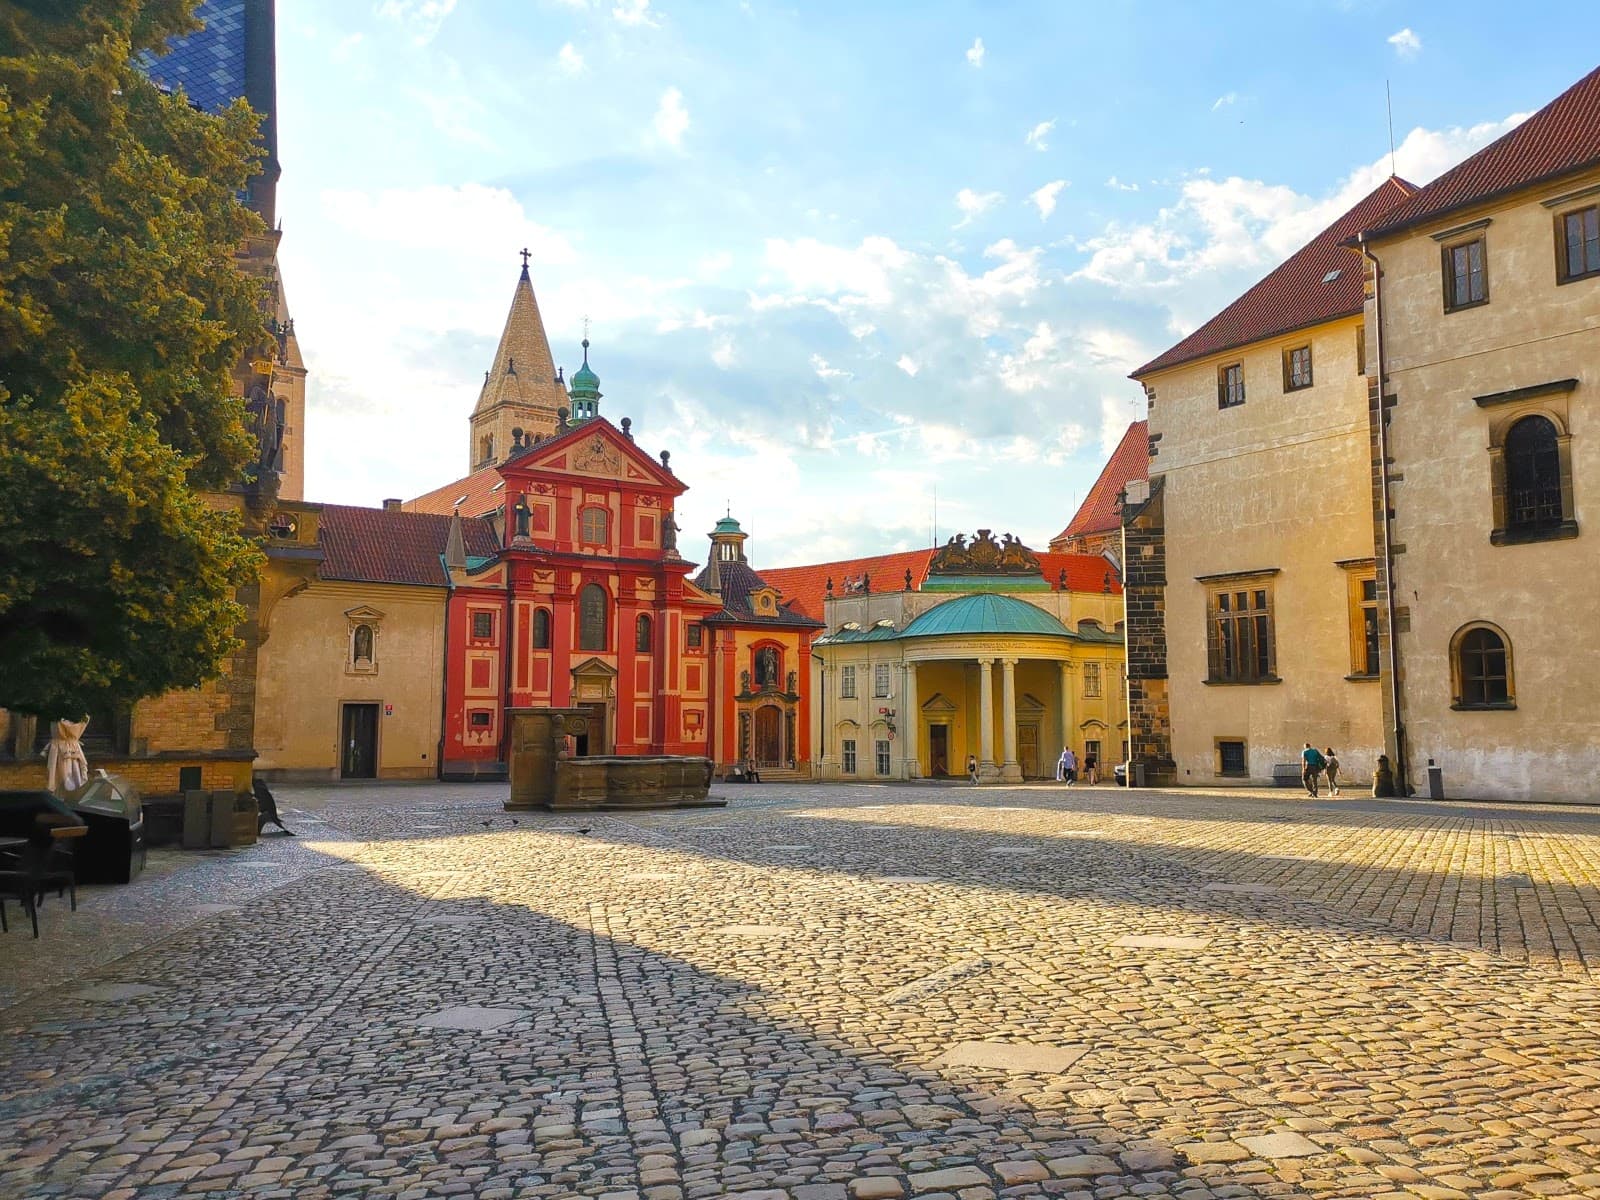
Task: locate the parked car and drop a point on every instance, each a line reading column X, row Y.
column 1120, row 774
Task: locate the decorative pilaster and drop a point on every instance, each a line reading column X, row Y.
column 1067, row 722
column 985, row 718
column 911, row 725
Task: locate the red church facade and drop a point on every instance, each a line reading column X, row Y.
column 586, row 605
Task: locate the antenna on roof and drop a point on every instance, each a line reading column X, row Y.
column 1388, row 101
column 935, row 514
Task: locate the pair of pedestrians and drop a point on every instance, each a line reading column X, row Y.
column 1315, row 763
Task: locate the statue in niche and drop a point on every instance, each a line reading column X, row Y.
column 669, row 532
column 793, row 682
column 767, row 667
column 744, row 682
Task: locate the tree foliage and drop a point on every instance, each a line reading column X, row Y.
column 123, row 316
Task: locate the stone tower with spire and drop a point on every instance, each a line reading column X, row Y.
column 521, row 390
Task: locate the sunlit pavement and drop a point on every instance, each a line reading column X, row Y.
column 824, row 992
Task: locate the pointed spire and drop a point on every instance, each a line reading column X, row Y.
column 455, row 543
column 523, row 371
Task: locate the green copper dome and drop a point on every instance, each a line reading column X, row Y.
column 585, row 384
column 724, row 524
column 986, row 614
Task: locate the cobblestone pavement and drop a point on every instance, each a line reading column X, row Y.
column 825, row 993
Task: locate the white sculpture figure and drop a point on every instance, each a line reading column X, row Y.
column 66, row 769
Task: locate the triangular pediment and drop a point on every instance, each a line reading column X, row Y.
column 938, row 703
column 595, row 666
column 596, row 449
column 362, row 613
column 1030, row 704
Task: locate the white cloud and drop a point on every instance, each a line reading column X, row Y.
column 1406, row 44
column 422, row 17
column 570, row 60
column 976, row 52
column 907, row 364
column 345, row 48
column 1045, row 198
column 722, row 353
column 824, row 371
column 480, row 223
column 975, row 204
column 1037, row 135
column 1116, row 183
column 1224, row 101
column 634, row 12
column 672, row 118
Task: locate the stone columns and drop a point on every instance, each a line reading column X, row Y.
column 1066, row 706
column 911, row 725
column 985, row 718
column 1010, row 769
column 824, row 733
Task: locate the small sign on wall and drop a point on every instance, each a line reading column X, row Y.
column 388, row 710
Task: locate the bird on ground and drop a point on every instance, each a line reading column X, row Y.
column 485, row 824
column 586, row 829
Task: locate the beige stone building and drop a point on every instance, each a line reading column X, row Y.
column 1252, row 583
column 998, row 653
column 1486, row 293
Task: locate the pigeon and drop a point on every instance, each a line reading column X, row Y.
column 586, row 829
column 486, row 824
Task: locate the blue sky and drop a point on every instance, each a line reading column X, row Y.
column 836, row 256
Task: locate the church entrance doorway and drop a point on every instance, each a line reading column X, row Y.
column 1028, row 750
column 358, row 758
column 769, row 736
column 939, row 751
column 594, row 741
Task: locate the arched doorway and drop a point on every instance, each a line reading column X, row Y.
column 769, row 736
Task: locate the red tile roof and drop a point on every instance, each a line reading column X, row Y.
column 1299, row 292
column 477, row 494
column 1559, row 139
column 804, row 588
column 376, row 545
column 1098, row 512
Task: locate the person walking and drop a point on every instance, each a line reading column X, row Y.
column 1330, row 768
column 1091, row 767
column 1061, row 766
column 1069, row 766
column 972, row 768
column 1311, row 764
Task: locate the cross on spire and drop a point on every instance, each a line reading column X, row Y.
column 525, row 257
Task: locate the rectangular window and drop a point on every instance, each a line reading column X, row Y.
column 1361, row 349
column 696, row 635
column 1230, row 386
column 1091, row 679
column 1578, row 243
column 1364, row 622
column 595, row 523
column 847, row 755
column 482, row 625
column 1297, row 368
column 847, row 683
column 1466, row 281
column 880, row 753
column 1231, row 758
column 480, row 719
column 1239, row 642
column 880, row 680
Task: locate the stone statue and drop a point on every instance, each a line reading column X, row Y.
column 793, row 682
column 669, row 532
column 744, row 682
column 767, row 666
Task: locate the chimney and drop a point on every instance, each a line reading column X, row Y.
column 391, row 505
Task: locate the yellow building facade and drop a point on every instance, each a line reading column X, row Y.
column 982, row 660
column 1486, row 289
column 1259, row 449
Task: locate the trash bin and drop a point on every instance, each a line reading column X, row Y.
column 1435, row 781
column 1136, row 774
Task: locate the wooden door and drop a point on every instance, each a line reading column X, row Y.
column 358, row 756
column 769, row 736
column 939, row 751
column 1028, row 750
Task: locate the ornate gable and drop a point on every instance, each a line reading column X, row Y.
column 597, row 450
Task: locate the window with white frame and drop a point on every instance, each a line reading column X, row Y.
column 847, row 755
column 847, row 683
column 880, row 749
column 880, row 679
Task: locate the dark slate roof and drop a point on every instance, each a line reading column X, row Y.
column 1322, row 281
column 209, row 63
column 1559, row 139
column 738, row 581
column 378, row 545
column 1099, row 513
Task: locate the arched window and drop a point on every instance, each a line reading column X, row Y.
column 541, row 629
column 592, row 617
column 594, row 526
column 486, row 448
column 1533, row 475
column 641, row 634
column 1480, row 661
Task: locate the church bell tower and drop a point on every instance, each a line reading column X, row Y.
column 521, row 389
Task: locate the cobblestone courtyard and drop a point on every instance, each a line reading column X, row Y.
column 818, row 993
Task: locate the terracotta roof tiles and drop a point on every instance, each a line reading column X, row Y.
column 1559, row 139
column 1322, row 281
column 479, row 493
column 377, row 545
column 1098, row 513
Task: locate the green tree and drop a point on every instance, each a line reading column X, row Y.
column 123, row 316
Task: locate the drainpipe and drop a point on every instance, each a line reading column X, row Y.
column 444, row 689
column 1402, row 783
